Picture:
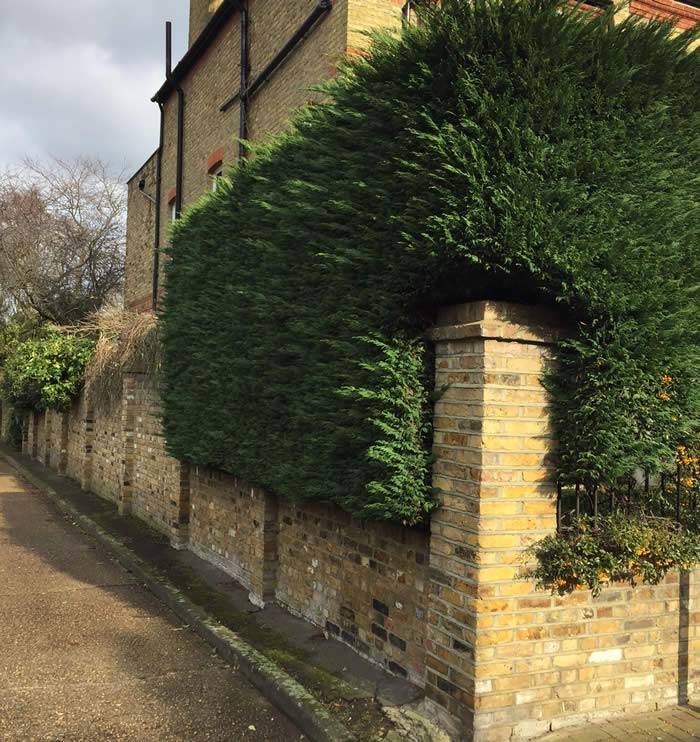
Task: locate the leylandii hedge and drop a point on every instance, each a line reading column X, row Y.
column 526, row 151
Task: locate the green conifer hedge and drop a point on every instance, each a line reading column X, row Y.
column 511, row 150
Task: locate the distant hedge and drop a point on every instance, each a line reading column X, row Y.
column 526, row 151
column 46, row 371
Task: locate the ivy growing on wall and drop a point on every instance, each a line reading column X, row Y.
column 506, row 150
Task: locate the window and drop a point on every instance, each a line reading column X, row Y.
column 216, row 175
column 173, row 210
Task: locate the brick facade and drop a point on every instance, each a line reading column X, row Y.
column 313, row 61
column 213, row 79
column 140, row 230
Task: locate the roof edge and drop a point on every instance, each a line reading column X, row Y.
column 198, row 47
column 142, row 166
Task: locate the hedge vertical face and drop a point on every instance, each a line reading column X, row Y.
column 501, row 150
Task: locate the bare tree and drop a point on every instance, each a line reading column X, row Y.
column 62, row 239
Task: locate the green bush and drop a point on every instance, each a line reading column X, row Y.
column 504, row 150
column 613, row 548
column 46, row 372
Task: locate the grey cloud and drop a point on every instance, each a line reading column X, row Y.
column 78, row 76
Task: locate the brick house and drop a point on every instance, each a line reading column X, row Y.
column 248, row 66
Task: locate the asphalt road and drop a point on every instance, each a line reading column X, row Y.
column 86, row 653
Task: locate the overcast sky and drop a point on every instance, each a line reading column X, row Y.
column 77, row 77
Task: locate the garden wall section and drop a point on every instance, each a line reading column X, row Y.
column 447, row 607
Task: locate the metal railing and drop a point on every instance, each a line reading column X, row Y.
column 674, row 495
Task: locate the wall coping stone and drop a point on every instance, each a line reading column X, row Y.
column 497, row 320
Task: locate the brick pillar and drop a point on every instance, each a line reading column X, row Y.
column 180, row 509
column 88, row 424
column 690, row 634
column 28, row 434
column 34, row 433
column 46, row 438
column 128, row 424
column 494, row 477
column 62, row 462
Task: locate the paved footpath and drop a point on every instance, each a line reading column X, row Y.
column 670, row 725
column 86, row 653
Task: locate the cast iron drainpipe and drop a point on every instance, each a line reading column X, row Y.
column 156, row 246
column 245, row 69
column 322, row 7
column 180, row 154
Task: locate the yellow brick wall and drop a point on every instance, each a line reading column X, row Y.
column 156, row 477
column 371, row 15
column 201, row 12
column 364, row 583
column 107, row 453
column 314, row 60
column 57, row 440
column 234, row 526
column 76, row 452
column 504, row 659
column 140, row 226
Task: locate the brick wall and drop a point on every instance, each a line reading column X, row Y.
column 234, row 525
column 449, row 609
column 57, row 440
column 107, row 453
column 140, row 226
column 504, row 659
column 155, row 477
column 314, row 60
column 79, row 444
column 40, row 437
column 364, row 583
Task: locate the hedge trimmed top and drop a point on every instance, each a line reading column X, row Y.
column 502, row 150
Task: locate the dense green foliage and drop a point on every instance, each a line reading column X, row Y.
column 46, row 371
column 615, row 548
column 513, row 150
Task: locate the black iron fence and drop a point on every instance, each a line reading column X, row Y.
column 674, row 495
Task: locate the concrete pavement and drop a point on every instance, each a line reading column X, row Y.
column 89, row 654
